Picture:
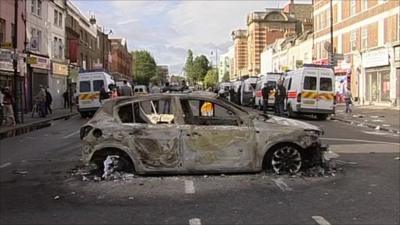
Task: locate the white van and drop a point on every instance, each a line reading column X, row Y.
column 235, row 92
column 247, row 92
column 88, row 90
column 310, row 90
column 271, row 79
column 223, row 89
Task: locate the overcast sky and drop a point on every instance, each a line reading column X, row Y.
column 169, row 28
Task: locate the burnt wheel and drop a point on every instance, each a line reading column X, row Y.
column 286, row 160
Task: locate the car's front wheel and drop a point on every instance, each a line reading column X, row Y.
column 286, row 159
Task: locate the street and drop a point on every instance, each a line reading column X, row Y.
column 38, row 186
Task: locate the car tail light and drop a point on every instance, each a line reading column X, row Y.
column 299, row 97
column 85, row 131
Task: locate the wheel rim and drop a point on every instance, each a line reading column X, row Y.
column 286, row 160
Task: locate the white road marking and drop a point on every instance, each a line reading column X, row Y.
column 195, row 221
column 282, row 185
column 358, row 140
column 5, row 165
column 320, row 220
column 189, row 187
column 71, row 134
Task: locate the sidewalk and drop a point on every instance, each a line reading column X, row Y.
column 376, row 117
column 30, row 122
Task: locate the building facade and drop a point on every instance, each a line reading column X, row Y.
column 56, row 39
column 367, row 33
column 240, row 54
column 224, row 64
column 121, row 59
column 39, row 64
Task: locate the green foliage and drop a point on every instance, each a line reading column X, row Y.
column 211, row 78
column 226, row 77
column 144, row 67
column 196, row 69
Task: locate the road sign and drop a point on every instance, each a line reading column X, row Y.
column 6, row 45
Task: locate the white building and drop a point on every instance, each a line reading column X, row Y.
column 266, row 60
column 225, row 63
column 56, row 40
column 37, row 27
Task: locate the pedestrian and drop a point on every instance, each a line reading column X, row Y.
column 1, row 106
column 66, row 99
column 114, row 92
column 265, row 94
column 49, row 101
column 125, row 89
column 167, row 88
column 8, row 106
column 280, row 96
column 41, row 101
column 348, row 99
column 103, row 94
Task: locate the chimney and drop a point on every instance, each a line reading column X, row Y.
column 92, row 20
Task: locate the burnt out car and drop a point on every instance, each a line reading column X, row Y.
column 196, row 133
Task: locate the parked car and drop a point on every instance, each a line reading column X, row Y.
column 196, row 133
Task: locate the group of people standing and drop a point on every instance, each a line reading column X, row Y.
column 280, row 96
column 124, row 90
column 44, row 100
column 6, row 107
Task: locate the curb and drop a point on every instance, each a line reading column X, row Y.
column 373, row 126
column 30, row 126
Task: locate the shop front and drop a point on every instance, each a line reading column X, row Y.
column 38, row 75
column 58, row 83
column 377, row 79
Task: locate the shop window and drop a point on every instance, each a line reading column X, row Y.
column 310, row 83
column 385, row 85
column 325, row 84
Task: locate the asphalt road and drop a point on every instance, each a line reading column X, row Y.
column 37, row 186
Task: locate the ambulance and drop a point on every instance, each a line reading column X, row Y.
column 88, row 88
column 271, row 79
column 310, row 90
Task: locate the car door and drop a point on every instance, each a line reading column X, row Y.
column 325, row 90
column 215, row 141
column 153, row 134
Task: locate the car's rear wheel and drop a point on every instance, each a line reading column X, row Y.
column 286, row 159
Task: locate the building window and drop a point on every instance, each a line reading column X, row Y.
column 364, row 37
column 2, row 30
column 352, row 7
column 365, row 4
column 55, row 17
column 33, row 6
column 60, row 49
column 353, row 40
column 39, row 7
column 60, row 19
column 12, row 32
column 39, row 38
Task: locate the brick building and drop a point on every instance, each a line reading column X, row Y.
column 240, row 54
column 121, row 63
column 367, row 33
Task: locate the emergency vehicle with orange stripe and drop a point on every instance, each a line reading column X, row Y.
column 310, row 90
column 88, row 88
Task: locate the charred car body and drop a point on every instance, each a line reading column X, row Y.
column 194, row 133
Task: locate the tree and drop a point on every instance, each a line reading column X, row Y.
column 226, row 77
column 189, row 66
column 211, row 78
column 200, row 67
column 144, row 67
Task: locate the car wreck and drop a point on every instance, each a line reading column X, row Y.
column 195, row 133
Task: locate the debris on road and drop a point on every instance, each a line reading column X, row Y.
column 397, row 158
column 131, row 198
column 24, row 172
column 56, row 197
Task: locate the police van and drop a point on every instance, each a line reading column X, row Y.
column 310, row 90
column 248, row 91
column 271, row 79
column 88, row 88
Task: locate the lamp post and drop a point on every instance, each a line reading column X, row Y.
column 16, row 84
